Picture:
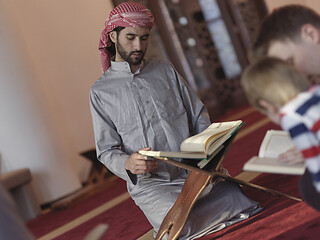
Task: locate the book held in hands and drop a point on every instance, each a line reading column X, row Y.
column 202, row 146
column 274, row 143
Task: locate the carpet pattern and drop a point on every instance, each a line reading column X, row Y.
column 53, row 225
column 282, row 218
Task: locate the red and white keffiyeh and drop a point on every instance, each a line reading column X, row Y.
column 127, row 14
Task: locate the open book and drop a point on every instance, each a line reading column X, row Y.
column 203, row 145
column 274, row 143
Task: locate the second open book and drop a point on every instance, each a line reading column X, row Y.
column 274, row 143
column 203, row 145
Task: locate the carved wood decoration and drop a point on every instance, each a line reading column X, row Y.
column 242, row 19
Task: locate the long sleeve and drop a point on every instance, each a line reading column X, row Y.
column 108, row 141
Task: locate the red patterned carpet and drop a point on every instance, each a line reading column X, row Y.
column 125, row 220
column 282, row 218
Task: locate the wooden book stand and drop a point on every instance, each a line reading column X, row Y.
column 195, row 183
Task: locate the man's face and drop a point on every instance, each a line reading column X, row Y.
column 304, row 55
column 131, row 45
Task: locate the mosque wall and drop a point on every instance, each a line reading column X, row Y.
column 51, row 60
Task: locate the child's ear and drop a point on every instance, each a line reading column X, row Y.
column 269, row 107
column 270, row 110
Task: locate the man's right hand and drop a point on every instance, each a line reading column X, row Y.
column 139, row 164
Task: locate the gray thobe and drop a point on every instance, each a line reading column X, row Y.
column 154, row 107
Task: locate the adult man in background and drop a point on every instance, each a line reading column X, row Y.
column 292, row 33
column 141, row 103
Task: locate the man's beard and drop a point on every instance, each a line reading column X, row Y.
column 128, row 56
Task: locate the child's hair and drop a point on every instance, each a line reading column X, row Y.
column 273, row 80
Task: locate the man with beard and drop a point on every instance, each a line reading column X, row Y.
column 141, row 103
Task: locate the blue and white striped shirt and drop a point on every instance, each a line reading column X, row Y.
column 301, row 118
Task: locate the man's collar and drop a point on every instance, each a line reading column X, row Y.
column 120, row 66
column 124, row 66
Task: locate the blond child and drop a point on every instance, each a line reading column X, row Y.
column 284, row 94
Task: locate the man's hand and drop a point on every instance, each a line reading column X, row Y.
column 139, row 164
column 291, row 156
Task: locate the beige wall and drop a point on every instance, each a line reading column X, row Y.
column 314, row 4
column 57, row 41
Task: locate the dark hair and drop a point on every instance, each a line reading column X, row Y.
column 112, row 48
column 283, row 24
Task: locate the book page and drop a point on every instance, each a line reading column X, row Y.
column 272, row 165
column 189, row 155
column 201, row 141
column 274, row 143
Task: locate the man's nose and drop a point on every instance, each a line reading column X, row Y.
column 137, row 44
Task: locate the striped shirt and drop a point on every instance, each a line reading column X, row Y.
column 301, row 118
